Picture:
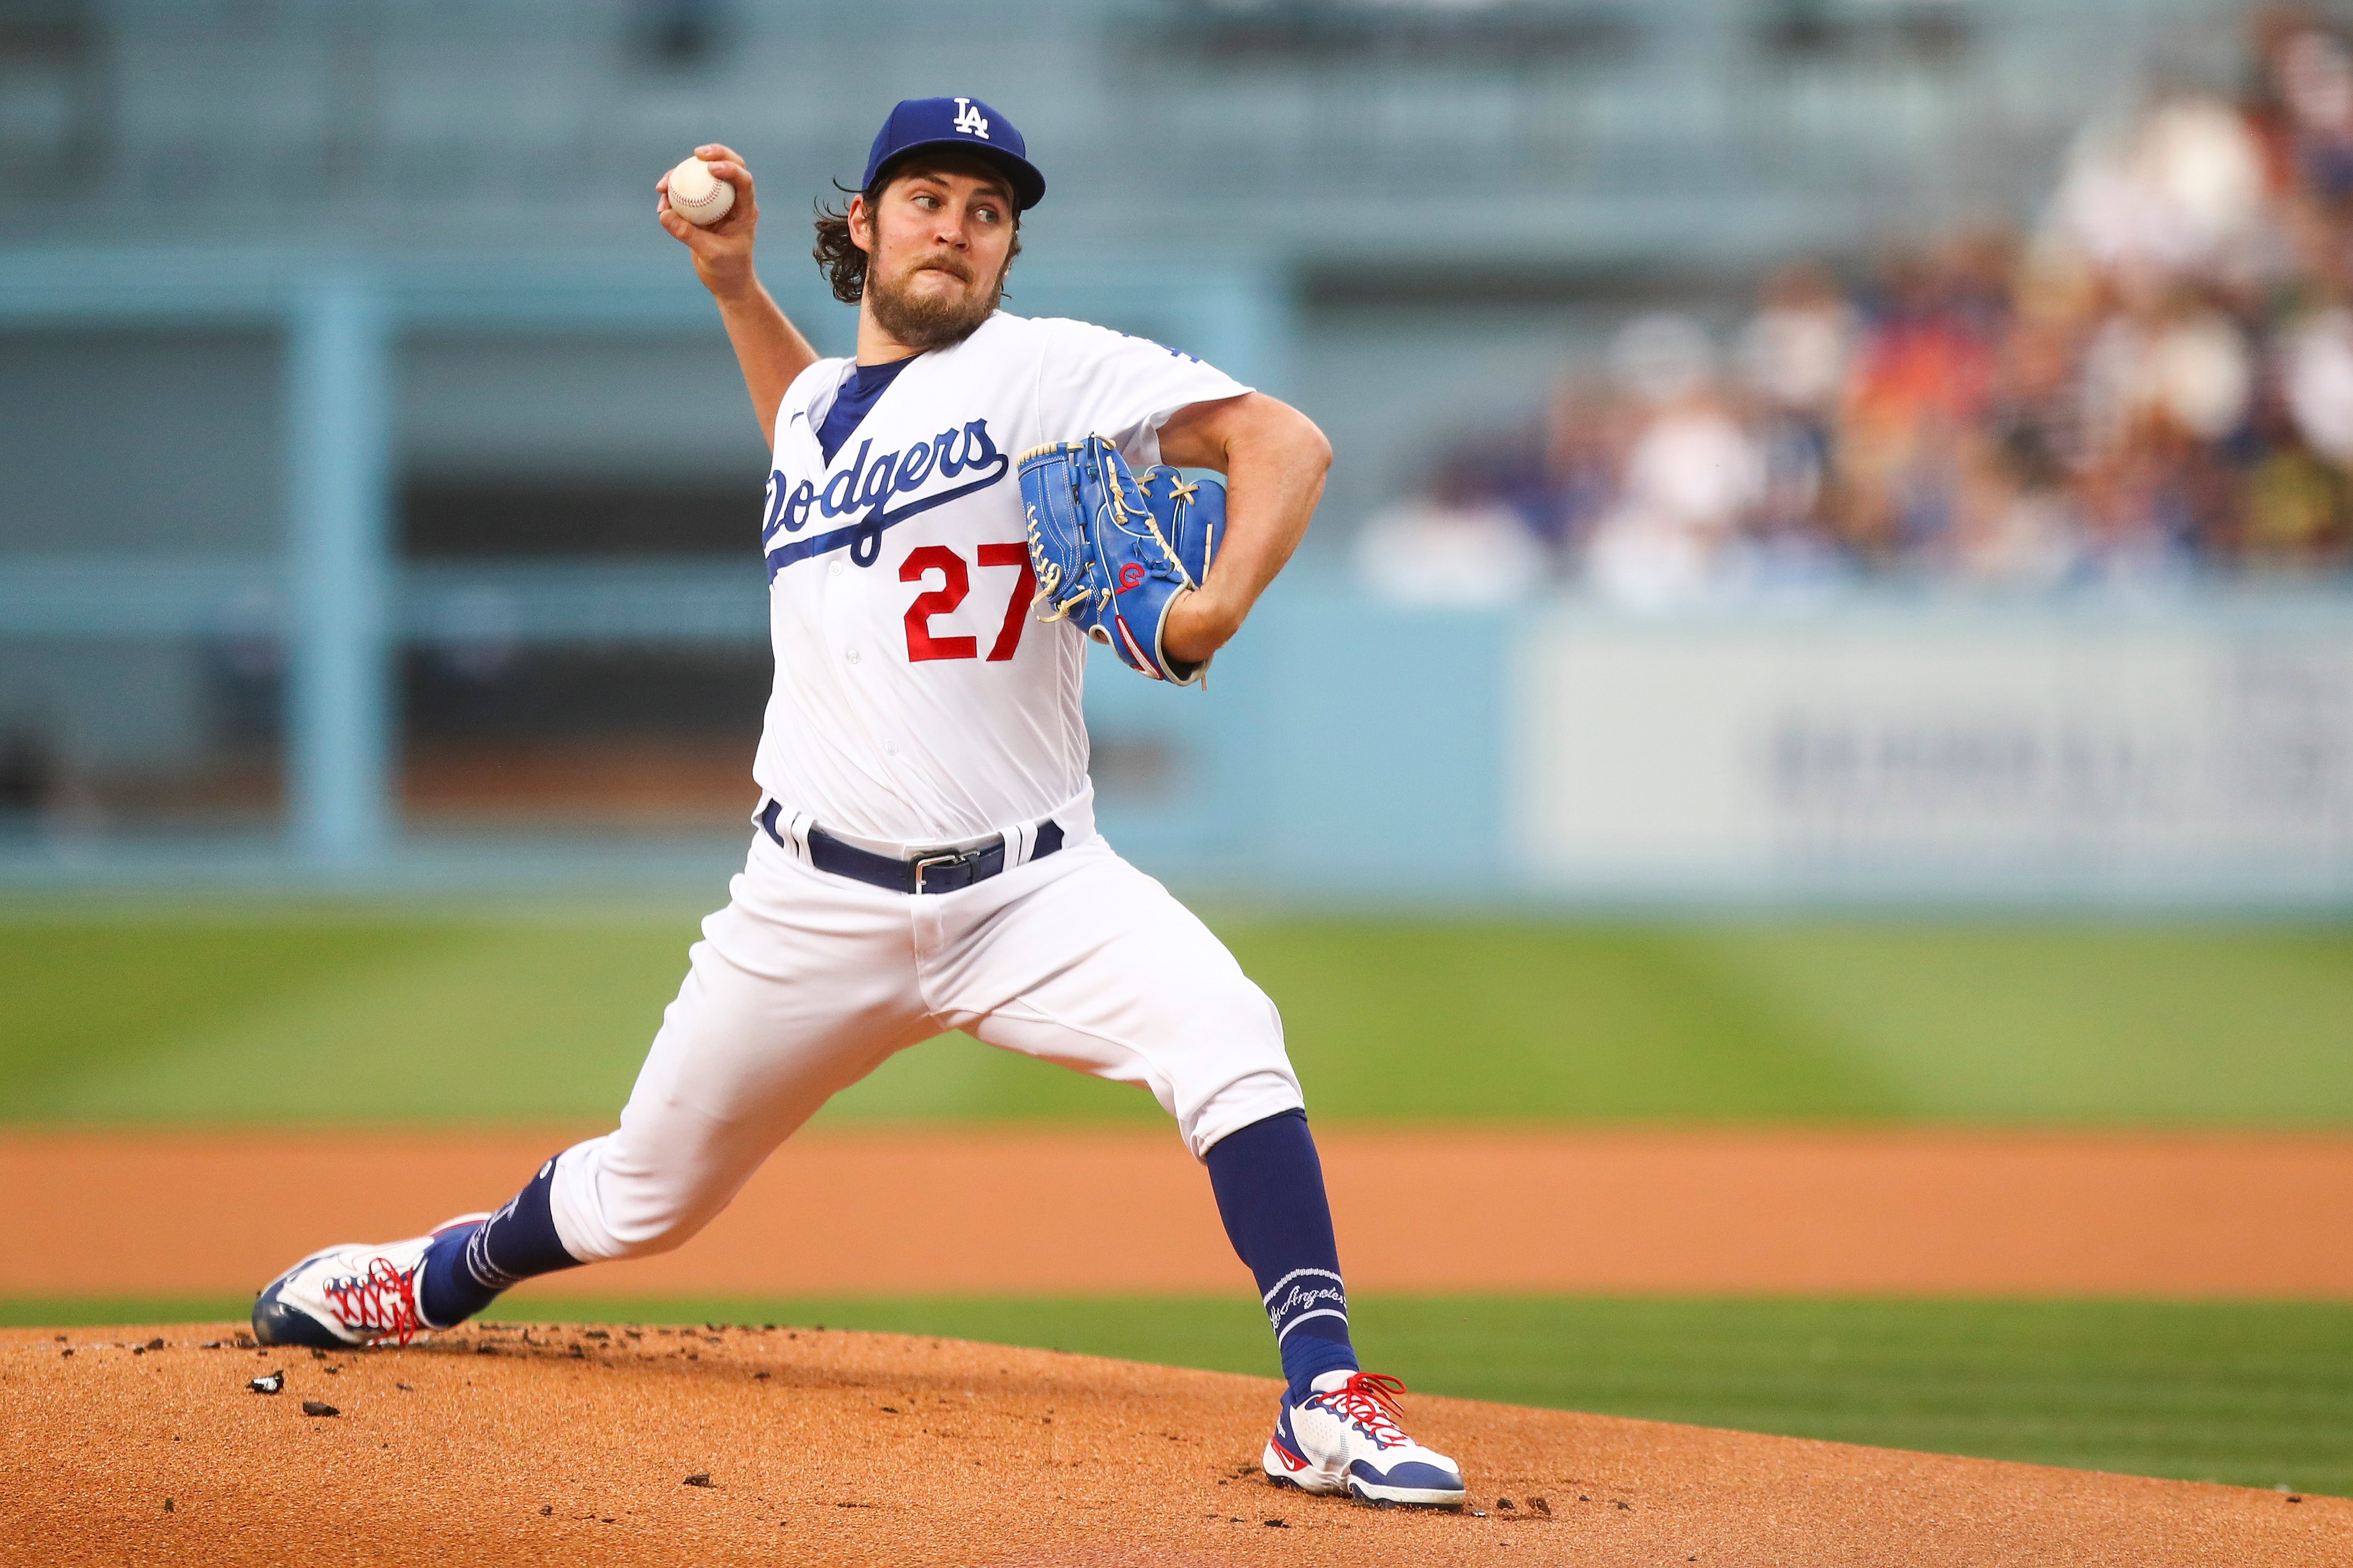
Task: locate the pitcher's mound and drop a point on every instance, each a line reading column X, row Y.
column 503, row 1444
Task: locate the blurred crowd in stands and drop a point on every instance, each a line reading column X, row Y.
column 2157, row 382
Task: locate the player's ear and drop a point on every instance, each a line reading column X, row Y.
column 861, row 224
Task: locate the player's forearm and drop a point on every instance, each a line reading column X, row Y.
column 1274, row 459
column 770, row 348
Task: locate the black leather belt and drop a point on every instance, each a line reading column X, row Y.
column 942, row 873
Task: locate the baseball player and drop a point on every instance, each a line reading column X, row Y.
column 925, row 857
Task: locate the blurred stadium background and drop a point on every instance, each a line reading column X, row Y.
column 1831, row 605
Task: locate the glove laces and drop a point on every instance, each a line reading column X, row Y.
column 1124, row 517
column 1369, row 1401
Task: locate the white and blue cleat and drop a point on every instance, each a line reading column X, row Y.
column 356, row 1294
column 1344, row 1437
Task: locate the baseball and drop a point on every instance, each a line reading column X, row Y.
column 697, row 197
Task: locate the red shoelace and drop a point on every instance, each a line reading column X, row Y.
column 1369, row 1400
column 381, row 1303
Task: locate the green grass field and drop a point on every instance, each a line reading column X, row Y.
column 351, row 1013
column 2256, row 1395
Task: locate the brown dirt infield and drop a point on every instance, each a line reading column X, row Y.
column 502, row 1445
column 1033, row 1211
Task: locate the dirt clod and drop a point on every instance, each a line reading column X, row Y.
column 319, row 1407
column 1503, row 1502
column 700, row 1478
column 1540, row 1506
column 167, row 1505
column 156, row 1345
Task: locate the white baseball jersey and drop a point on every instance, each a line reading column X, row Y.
column 918, row 702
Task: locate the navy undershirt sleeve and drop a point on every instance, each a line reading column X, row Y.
column 864, row 388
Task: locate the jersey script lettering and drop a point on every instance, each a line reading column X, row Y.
column 864, row 486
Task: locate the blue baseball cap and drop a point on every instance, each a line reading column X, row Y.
column 965, row 124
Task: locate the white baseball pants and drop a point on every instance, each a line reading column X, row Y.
column 807, row 981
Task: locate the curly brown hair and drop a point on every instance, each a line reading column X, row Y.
column 838, row 255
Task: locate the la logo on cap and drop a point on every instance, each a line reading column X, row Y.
column 948, row 123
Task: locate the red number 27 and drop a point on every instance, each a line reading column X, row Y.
column 954, row 583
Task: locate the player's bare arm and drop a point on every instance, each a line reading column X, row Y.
column 767, row 345
column 1274, row 459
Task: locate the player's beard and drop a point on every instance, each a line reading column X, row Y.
column 929, row 321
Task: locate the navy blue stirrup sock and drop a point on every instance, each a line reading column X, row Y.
column 465, row 1270
column 1269, row 1188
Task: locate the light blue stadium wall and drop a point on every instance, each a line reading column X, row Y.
column 1298, row 218
column 2111, row 752
column 1340, row 744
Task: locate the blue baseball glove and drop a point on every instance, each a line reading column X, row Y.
column 1112, row 551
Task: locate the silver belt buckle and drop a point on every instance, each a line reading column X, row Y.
column 925, row 863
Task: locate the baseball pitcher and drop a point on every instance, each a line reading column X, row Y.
column 950, row 517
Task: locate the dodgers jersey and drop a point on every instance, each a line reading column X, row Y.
column 918, row 701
